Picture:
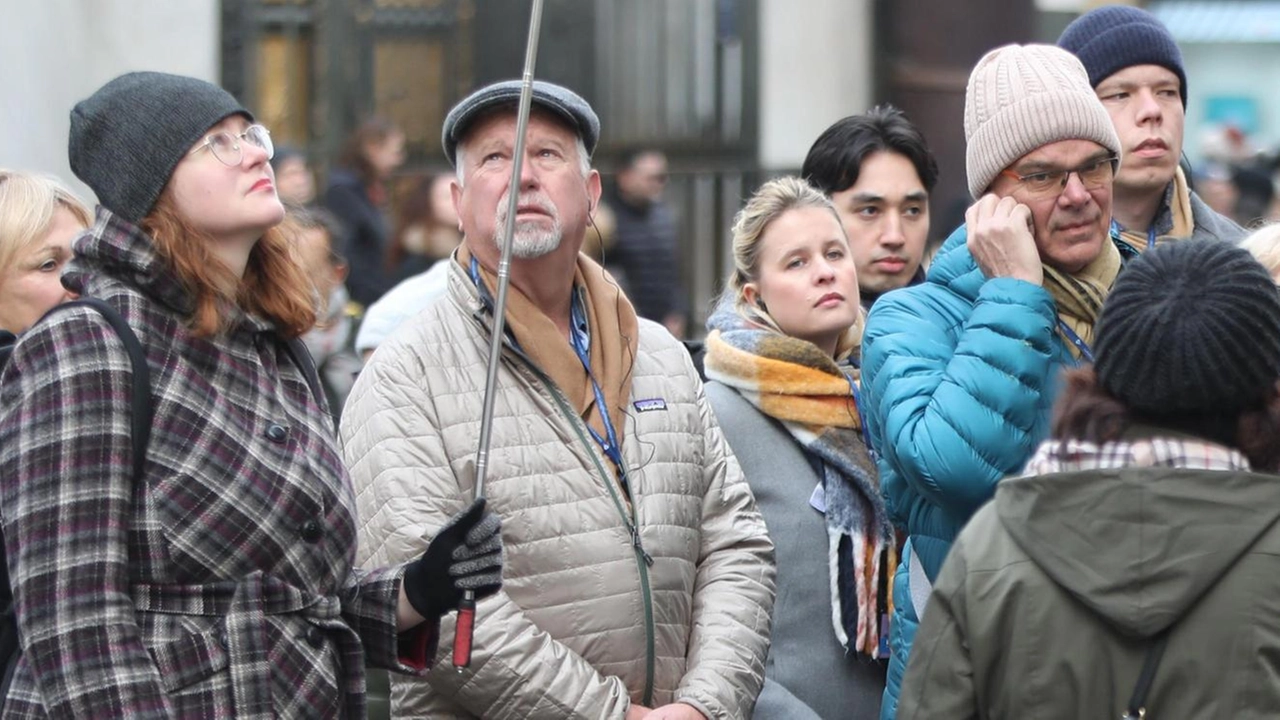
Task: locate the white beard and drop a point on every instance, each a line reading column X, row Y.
column 533, row 238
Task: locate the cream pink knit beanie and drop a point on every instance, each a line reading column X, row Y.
column 1021, row 97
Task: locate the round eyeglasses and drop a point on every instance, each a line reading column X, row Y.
column 226, row 145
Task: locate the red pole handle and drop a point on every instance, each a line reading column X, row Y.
column 462, row 634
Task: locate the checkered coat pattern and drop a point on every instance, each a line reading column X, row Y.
column 221, row 584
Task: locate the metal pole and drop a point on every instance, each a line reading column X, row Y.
column 467, row 610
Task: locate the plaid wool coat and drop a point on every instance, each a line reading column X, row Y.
column 221, row 585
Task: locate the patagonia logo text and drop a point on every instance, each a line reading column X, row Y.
column 650, row 404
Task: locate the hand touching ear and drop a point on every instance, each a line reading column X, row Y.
column 1001, row 238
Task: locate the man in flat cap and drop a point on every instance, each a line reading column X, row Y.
column 639, row 577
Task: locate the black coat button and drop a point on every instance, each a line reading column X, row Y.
column 311, row 531
column 315, row 637
column 277, row 433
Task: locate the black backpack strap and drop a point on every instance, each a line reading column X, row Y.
column 141, row 386
column 302, row 358
column 1137, row 702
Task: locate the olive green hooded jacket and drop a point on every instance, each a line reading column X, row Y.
column 1050, row 598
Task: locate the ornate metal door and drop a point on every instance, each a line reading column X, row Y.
column 312, row 69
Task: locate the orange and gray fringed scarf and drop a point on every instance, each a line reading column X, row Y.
column 795, row 383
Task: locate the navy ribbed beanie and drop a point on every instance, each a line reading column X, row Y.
column 1114, row 37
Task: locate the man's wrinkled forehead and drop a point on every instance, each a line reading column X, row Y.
column 486, row 119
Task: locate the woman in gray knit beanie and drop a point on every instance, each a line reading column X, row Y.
column 211, row 576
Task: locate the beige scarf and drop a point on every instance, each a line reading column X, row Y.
column 614, row 337
column 1079, row 296
column 1179, row 208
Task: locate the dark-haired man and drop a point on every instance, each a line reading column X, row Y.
column 879, row 172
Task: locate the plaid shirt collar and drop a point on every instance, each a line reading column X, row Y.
column 1159, row 449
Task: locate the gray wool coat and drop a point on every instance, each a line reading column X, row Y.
column 807, row 676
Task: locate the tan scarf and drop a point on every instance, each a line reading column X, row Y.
column 1179, row 208
column 614, row 337
column 1079, row 296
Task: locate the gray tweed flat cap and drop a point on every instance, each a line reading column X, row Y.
column 561, row 101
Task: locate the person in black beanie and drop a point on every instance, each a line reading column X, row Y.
column 1144, row 536
column 212, row 576
column 1136, row 68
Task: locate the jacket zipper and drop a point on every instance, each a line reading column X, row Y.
column 644, row 561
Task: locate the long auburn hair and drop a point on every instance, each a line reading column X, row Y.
column 1086, row 411
column 274, row 285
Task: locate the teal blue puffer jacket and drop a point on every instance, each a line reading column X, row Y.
column 959, row 375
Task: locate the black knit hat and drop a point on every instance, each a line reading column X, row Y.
column 127, row 137
column 1191, row 327
column 1114, row 37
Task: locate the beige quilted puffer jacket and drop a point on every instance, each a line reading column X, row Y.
column 605, row 602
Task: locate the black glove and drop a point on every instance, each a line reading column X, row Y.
column 465, row 555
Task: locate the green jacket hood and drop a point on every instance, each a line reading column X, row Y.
column 1139, row 546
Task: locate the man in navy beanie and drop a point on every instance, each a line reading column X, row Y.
column 1136, row 69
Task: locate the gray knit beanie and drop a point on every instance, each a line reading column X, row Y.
column 1021, row 97
column 127, row 137
column 1191, row 327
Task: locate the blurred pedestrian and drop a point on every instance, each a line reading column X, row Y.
column 1139, row 546
column 782, row 359
column 358, row 195
column 331, row 341
column 39, row 217
column 646, row 248
column 211, row 578
column 399, row 305
column 1136, row 68
column 427, row 228
column 1264, row 245
column 640, row 571
column 295, row 181
column 960, row 372
column 878, row 172
column 1255, row 191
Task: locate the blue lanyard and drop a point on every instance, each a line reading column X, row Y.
column 862, row 418
column 1151, row 233
column 856, row 393
column 1075, row 339
column 580, row 339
